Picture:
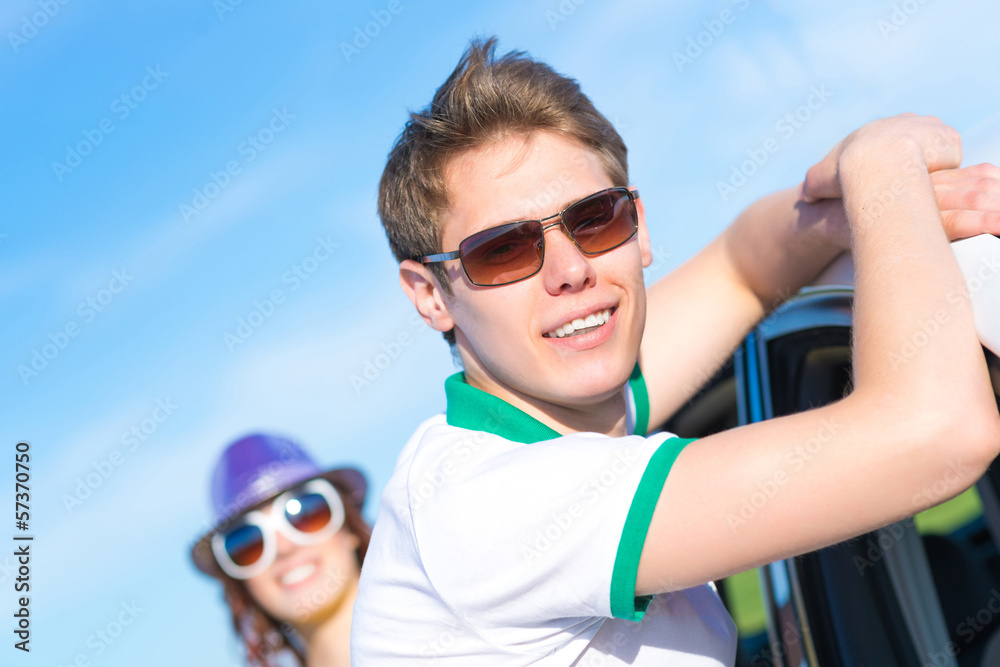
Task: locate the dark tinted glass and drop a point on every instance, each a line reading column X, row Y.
column 514, row 251
column 602, row 221
column 245, row 544
column 503, row 254
column 308, row 512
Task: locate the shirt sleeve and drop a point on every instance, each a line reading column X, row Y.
column 536, row 534
column 638, row 403
column 624, row 604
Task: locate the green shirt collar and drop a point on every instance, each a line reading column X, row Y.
column 477, row 410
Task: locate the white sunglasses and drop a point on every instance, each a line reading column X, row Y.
column 307, row 514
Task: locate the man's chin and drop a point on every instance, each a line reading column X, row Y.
column 589, row 389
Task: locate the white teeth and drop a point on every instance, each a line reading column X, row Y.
column 297, row 574
column 592, row 320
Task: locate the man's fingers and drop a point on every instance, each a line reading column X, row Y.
column 943, row 150
column 984, row 170
column 963, row 224
column 975, row 188
column 821, row 182
column 969, row 199
column 982, row 198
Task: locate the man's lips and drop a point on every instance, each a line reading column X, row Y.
column 582, row 324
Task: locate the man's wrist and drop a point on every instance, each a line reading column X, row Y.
column 871, row 160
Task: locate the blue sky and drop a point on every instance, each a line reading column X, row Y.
column 170, row 168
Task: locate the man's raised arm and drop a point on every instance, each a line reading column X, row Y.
column 777, row 245
column 899, row 431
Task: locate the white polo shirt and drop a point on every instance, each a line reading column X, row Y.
column 500, row 542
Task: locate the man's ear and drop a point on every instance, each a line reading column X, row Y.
column 644, row 247
column 424, row 291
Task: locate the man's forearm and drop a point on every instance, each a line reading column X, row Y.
column 880, row 447
column 779, row 243
column 904, row 271
column 773, row 248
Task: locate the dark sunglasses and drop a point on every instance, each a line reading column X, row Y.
column 514, row 251
column 307, row 514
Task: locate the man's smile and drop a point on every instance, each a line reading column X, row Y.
column 581, row 325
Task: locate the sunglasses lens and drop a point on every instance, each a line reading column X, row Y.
column 245, row 545
column 308, row 512
column 503, row 254
column 603, row 221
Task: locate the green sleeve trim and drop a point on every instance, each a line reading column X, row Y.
column 624, row 603
column 641, row 397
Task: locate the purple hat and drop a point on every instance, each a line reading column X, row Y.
column 257, row 468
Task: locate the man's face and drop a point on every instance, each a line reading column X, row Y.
column 506, row 334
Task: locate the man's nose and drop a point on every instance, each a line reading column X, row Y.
column 565, row 268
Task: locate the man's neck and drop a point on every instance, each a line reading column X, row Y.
column 605, row 415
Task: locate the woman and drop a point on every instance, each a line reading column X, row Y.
column 288, row 547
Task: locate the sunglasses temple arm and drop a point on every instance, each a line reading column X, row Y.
column 440, row 257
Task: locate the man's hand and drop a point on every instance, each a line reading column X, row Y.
column 780, row 243
column 968, row 197
column 896, row 419
column 969, row 200
column 939, row 145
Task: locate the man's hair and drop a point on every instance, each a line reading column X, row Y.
column 484, row 100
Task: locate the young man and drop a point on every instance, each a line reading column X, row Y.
column 526, row 525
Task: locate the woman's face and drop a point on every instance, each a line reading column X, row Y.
column 307, row 583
